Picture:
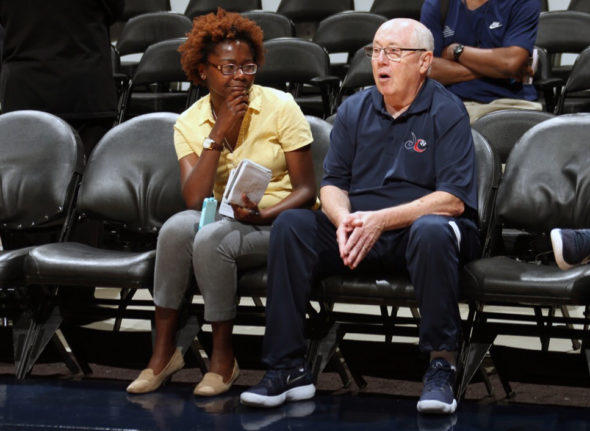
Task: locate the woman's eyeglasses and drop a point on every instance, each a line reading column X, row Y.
column 232, row 69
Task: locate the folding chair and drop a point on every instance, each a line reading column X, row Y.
column 346, row 32
column 298, row 65
column 143, row 30
column 273, row 24
column 131, row 185
column 579, row 5
column 575, row 94
column 168, row 89
column 562, row 32
column 40, row 170
column 306, row 14
column 504, row 128
column 358, row 76
column 396, row 290
column 545, row 185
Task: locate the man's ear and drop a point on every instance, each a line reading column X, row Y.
column 426, row 62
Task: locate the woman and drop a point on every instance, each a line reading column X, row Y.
column 237, row 120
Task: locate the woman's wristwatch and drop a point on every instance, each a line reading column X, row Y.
column 211, row 145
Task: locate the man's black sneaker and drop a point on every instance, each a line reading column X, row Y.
column 570, row 247
column 437, row 395
column 278, row 386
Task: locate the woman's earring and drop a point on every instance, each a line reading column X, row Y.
column 203, row 77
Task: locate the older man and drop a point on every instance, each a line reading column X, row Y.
column 399, row 194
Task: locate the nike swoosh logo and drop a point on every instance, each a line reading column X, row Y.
column 289, row 381
column 495, row 24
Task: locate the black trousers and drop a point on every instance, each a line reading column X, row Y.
column 303, row 247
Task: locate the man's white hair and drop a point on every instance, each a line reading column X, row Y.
column 422, row 38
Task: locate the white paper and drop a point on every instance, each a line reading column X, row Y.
column 250, row 178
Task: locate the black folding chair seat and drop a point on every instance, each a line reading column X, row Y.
column 11, row 267
column 384, row 289
column 504, row 279
column 53, row 264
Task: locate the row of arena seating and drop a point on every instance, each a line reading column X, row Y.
column 130, row 184
column 305, row 68
column 302, row 10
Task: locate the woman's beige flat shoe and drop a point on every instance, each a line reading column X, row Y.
column 147, row 381
column 212, row 383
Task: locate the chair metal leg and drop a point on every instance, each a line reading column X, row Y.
column 187, row 333
column 486, row 380
column 321, row 351
column 544, row 338
column 565, row 313
column 474, row 356
column 196, row 349
column 126, row 298
column 31, row 337
column 340, row 363
column 65, row 356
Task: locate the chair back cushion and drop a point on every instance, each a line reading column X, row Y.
column 160, row 63
column 503, row 129
column 201, row 7
column 579, row 78
column 313, row 10
column 146, row 29
column 546, row 182
column 290, row 59
column 320, row 130
column 398, row 8
column 563, row 31
column 138, row 7
column 273, row 24
column 488, row 177
column 347, row 31
column 132, row 177
column 41, row 159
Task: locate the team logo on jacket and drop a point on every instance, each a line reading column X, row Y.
column 416, row 145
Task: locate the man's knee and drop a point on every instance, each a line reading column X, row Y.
column 292, row 223
column 434, row 232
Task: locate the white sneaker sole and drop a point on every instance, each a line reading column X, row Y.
column 298, row 393
column 436, row 407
